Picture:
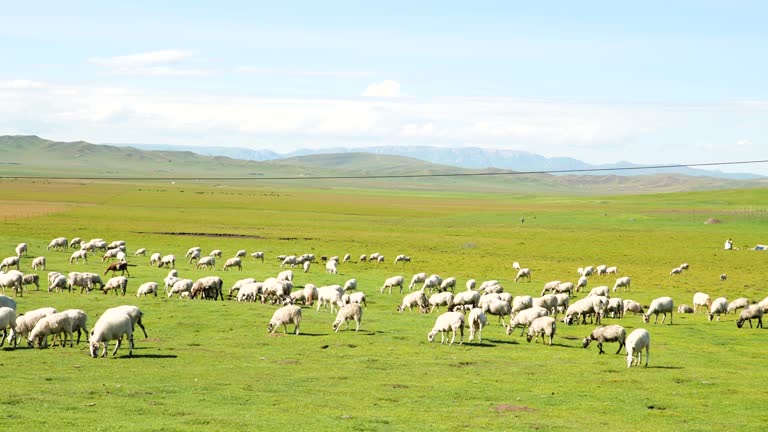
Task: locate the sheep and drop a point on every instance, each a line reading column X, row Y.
column 233, row 262
column 684, row 309
column 523, row 273
column 347, row 258
column 476, row 320
column 12, row 279
column 170, row 279
column 362, row 258
column 612, row 270
column 400, row 258
column 448, row 321
column 516, row 265
column 486, row 298
column 310, row 293
column 111, row 325
column 277, row 291
column 288, row 260
column 216, row 253
column 611, row 333
column 55, row 324
column 700, row 300
column 206, row 262
column 59, row 243
column 548, row 302
column 192, row 251
column 498, row 307
column 91, row 280
column 21, row 249
column 380, row 259
column 6, row 301
column 155, row 258
column 59, row 282
column 542, row 326
column 350, row 285
column 432, row 282
column 133, row 312
column 416, row 298
column 615, row 308
column 258, row 255
column 109, row 254
column 718, row 306
column 286, row 275
column 550, row 286
column 394, row 281
column 764, row 303
column 525, row 318
column 582, row 284
column 289, row 314
column 580, row 309
column 180, row 286
column 468, row 297
column 329, row 295
column 118, row 283
column 194, row 256
column 140, row 251
column 208, row 287
column 440, row 299
column 470, row 284
column 75, row 242
column 416, row 279
column 676, row 271
column 167, row 261
column 563, row 300
column 9, row 262
column 684, row 266
column 348, row 312
column 600, row 270
column 31, row 279
column 250, row 291
column 448, row 283
column 357, row 297
column 7, row 322
column 661, row 305
column 307, row 264
column 737, row 304
column 521, row 303
column 26, row 322
column 489, row 287
column 599, row 291
column 116, row 244
column 723, row 277
column 622, row 283
column 331, row 267
column 38, row 263
column 635, row 342
column 633, row 306
column 749, row 313
column 239, row 284
column 147, row 288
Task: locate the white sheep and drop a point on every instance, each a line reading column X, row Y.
column 91, row 281
column 140, row 252
column 250, row 291
column 310, row 293
column 116, row 244
column 432, row 282
column 65, row 322
column 181, row 286
column 7, row 322
column 133, row 312
column 563, row 300
column 622, row 283
column 331, row 267
column 206, row 262
column 6, row 301
column 154, row 259
column 448, row 321
column 347, row 313
column 550, row 286
column 486, row 298
column 394, row 281
column 21, row 249
column 611, row 333
column 59, row 243
column 676, row 271
column 612, row 270
column 749, row 313
column 737, row 304
column 26, row 322
column 661, row 305
column 580, row 309
column 289, row 314
column 167, row 261
column 111, row 326
column 723, row 277
column 38, row 263
column 635, row 342
column 548, row 302
column 700, row 300
column 719, row 306
column 12, row 279
column 258, row 255
column 542, row 326
column 31, row 279
column 476, row 320
column 599, row 291
column 233, row 262
column 356, row 297
column 194, row 256
column 417, row 279
column 12, row 261
column 684, row 266
column 468, row 297
column 117, row 283
column 347, row 258
column 416, row 298
column 633, row 306
column 216, row 253
column 440, row 299
column 307, row 264
column 516, row 265
column 470, row 285
column 362, row 258
column 239, row 284
column 523, row 273
column 330, row 295
column 147, row 288
column 209, row 287
column 684, row 309
column 75, row 242
column 600, row 270
column 448, row 283
column 59, row 282
column 521, row 303
column 350, row 285
column 582, row 284
column 615, row 308
column 525, row 317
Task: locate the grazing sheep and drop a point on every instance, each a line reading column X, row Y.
column 612, row 270
column 21, row 249
column 329, row 295
column 394, row 281
column 737, row 304
column 622, row 283
column 111, row 326
column 633, row 306
column 348, row 312
column 719, row 306
column 611, row 333
column 350, row 285
column 600, row 270
column 194, row 256
column 170, row 279
column 448, row 283
column 66, row 322
column 9, row 262
column 635, row 342
column 380, row 259
column 133, row 312
column 206, row 262
column 331, row 267
column 440, row 299
column 239, row 284
column 140, row 251
column 465, row 298
column 523, row 273
column 7, row 322
column 676, row 271
column 401, row 258
column 550, row 286
column 110, row 254
column 167, row 261
column 476, row 320
column 91, row 280
column 118, row 283
column 599, row 291
column 521, row 303
column 31, row 279
column 208, row 287
column 356, row 297
column 723, row 277
column 347, row 258
column 748, row 314
column 286, row 275
column 432, row 282
column 700, row 300
column 563, row 300
column 615, row 308
column 38, row 263
column 416, row 298
column 548, row 302
column 240, row 254
column 216, row 253
column 525, row 317
column 582, row 284
column 59, row 282
column 310, row 293
column 417, row 279
column 116, row 244
column 258, row 255
column 6, row 301
column 661, row 305
column 192, row 251
column 59, row 244
column 516, row 265
column 12, row 279
column 147, row 288
column 122, row 267
column 471, row 283
column 26, row 322
column 181, row 286
column 288, row 314
column 448, row 321
column 362, row 258
column 75, row 243
column 154, row 259
column 580, row 309
column 542, row 326
column 486, row 298
column 233, row 262
column 684, row 309
column 307, row 264
column 250, row 291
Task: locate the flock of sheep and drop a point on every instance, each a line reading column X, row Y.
column 465, row 309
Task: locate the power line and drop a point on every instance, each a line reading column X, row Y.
column 396, row 176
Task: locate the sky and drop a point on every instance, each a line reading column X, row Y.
column 651, row 82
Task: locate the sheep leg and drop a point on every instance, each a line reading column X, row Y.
column 453, row 337
column 621, row 344
column 2, row 341
column 760, row 323
column 117, row 345
column 130, row 344
column 522, row 332
column 461, row 334
column 647, row 354
column 142, row 328
column 106, row 347
column 600, row 347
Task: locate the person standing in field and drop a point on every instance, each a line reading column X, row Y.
column 729, row 244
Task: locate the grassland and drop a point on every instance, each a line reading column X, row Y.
column 211, row 365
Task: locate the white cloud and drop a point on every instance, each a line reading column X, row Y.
column 20, row 85
column 152, row 63
column 303, row 72
column 383, row 89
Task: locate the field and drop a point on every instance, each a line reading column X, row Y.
column 212, row 365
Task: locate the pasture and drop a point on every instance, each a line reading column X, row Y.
column 212, row 366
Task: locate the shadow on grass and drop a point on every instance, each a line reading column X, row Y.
column 504, row 342
column 480, row 344
column 665, row 367
column 153, row 356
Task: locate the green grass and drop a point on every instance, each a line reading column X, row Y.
column 212, row 366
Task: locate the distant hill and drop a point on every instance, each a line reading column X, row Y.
column 35, row 156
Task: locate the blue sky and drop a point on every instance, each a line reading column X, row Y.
column 657, row 82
